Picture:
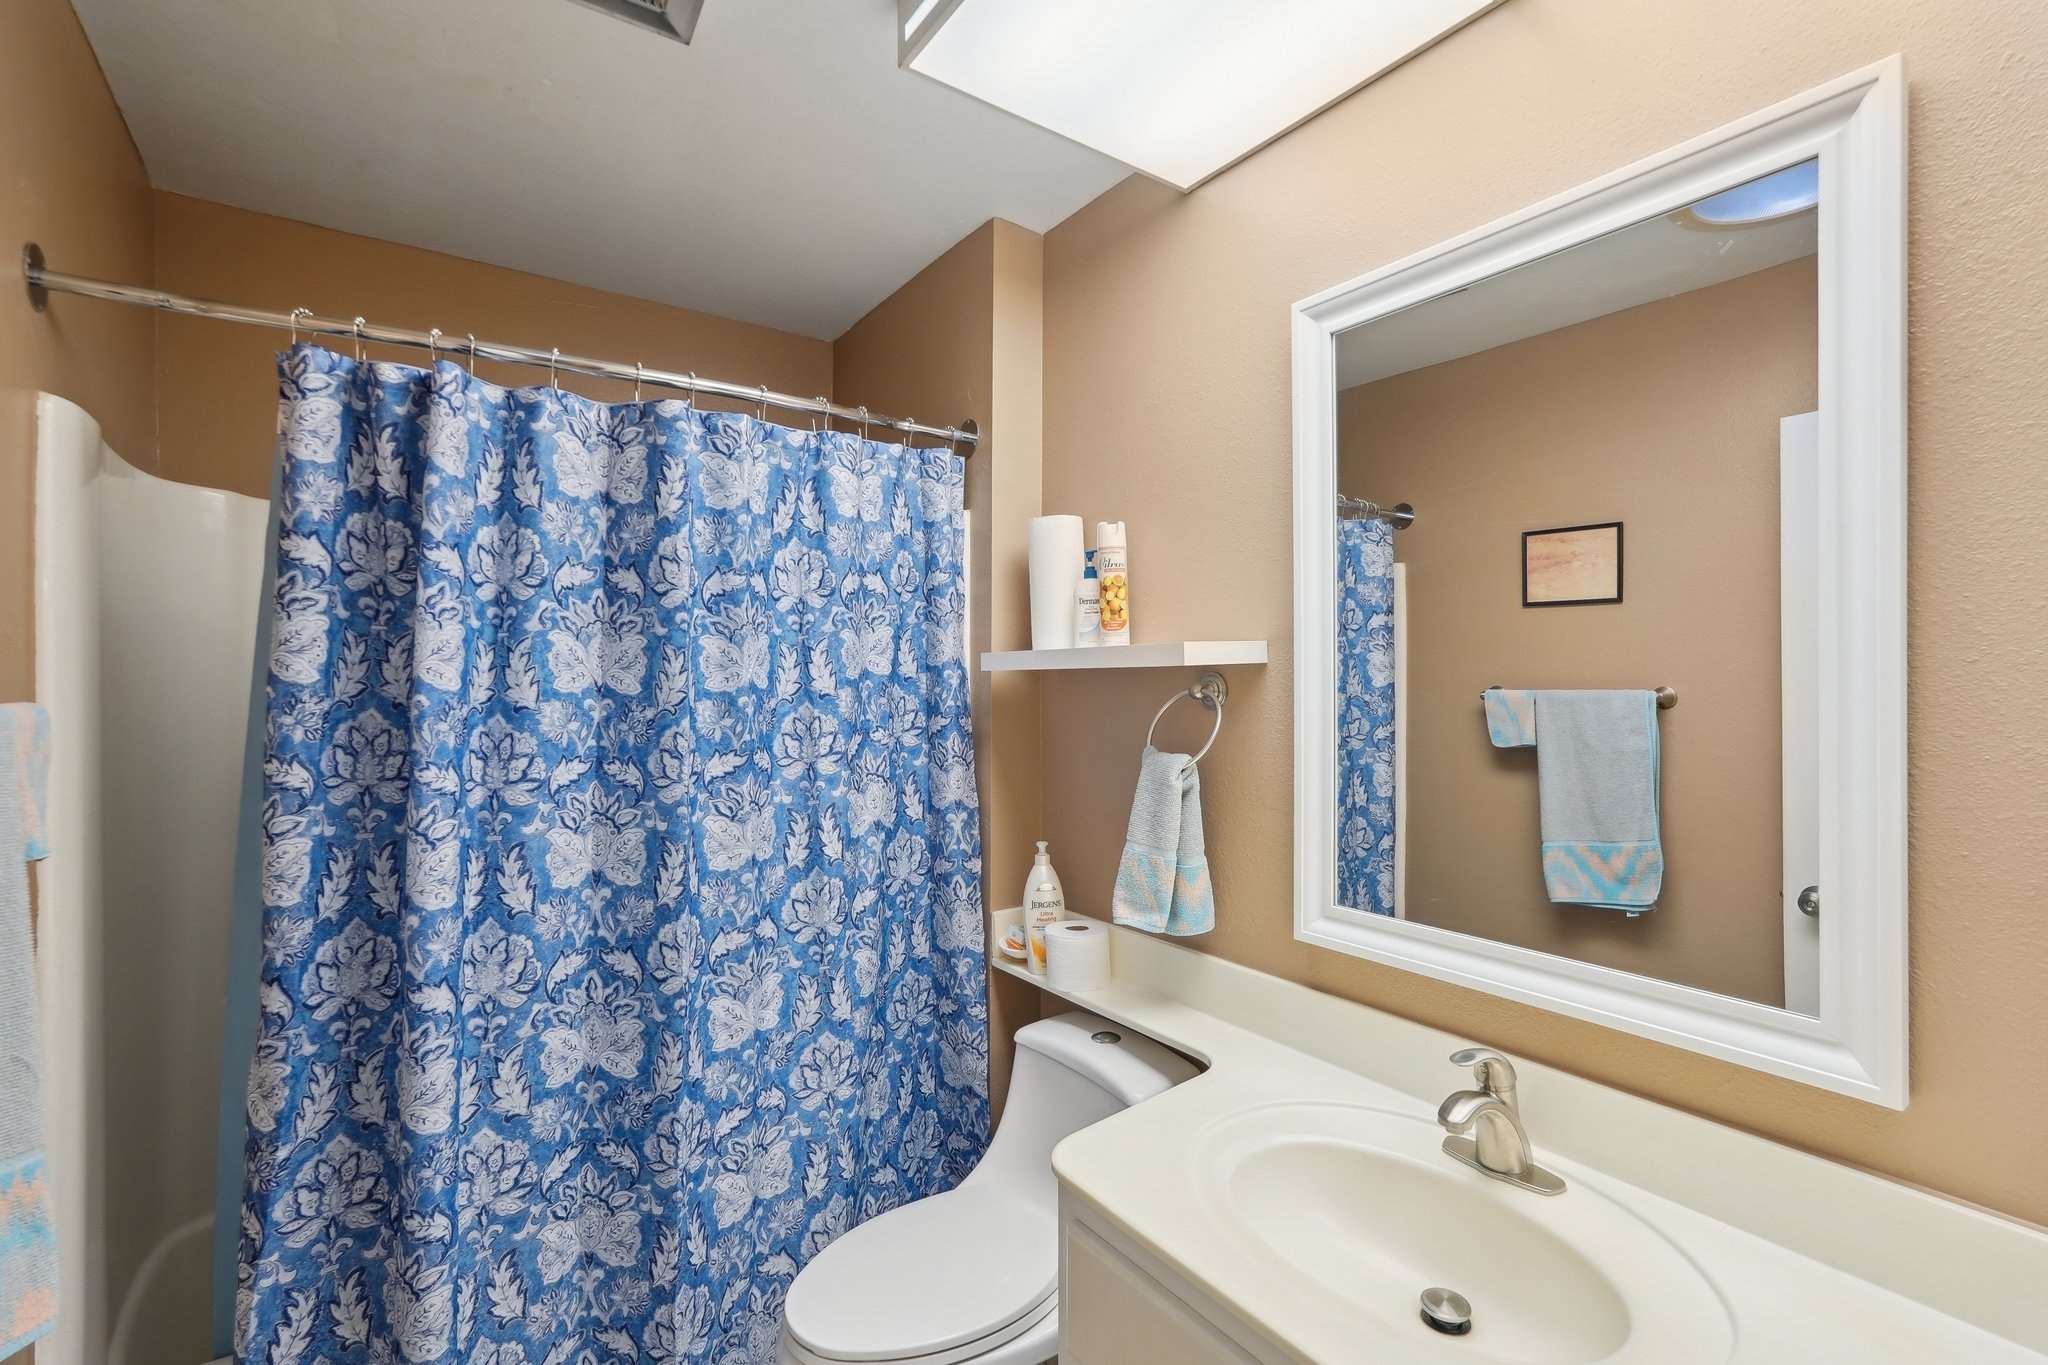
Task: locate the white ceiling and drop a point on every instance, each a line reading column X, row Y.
column 781, row 169
column 1653, row 260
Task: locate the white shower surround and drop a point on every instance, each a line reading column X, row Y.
column 146, row 598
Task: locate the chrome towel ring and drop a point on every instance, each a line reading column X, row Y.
column 1212, row 692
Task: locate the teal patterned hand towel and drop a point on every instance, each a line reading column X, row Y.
column 1510, row 717
column 28, row 1250
column 1162, row 881
column 1597, row 778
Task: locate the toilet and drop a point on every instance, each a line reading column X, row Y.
column 971, row 1277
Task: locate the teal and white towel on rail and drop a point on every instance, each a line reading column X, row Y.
column 28, row 1249
column 1162, row 881
column 1597, row 778
column 1510, row 717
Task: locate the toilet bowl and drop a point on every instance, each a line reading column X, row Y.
column 971, row 1277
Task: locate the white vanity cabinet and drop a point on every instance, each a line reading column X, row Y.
column 1119, row 1306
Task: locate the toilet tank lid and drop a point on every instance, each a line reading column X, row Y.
column 1127, row 1064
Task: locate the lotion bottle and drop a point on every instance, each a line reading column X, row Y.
column 1044, row 903
column 1088, row 608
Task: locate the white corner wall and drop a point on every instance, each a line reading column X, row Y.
column 146, row 598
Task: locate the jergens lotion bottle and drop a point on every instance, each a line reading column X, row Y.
column 1088, row 608
column 1044, row 903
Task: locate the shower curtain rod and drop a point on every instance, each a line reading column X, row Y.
column 1400, row 516
column 42, row 281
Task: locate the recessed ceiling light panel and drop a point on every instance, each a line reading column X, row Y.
column 1177, row 89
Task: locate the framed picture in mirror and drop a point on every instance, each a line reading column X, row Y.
column 1572, row 566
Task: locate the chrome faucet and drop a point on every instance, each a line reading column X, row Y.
column 1499, row 1146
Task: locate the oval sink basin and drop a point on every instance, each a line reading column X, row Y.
column 1363, row 1205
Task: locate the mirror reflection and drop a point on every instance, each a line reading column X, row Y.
column 1576, row 613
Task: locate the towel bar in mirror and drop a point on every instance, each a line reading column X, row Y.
column 1667, row 697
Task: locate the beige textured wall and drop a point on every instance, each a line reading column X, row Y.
column 217, row 382
column 71, row 180
column 964, row 339
column 1665, row 418
column 1167, row 402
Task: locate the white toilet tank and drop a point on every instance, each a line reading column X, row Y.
column 1070, row 1071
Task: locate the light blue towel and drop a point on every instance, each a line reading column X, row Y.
column 28, row 1250
column 1162, row 882
column 1597, row 777
column 1510, row 717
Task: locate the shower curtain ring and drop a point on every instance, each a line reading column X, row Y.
column 472, row 353
column 357, row 328
column 863, row 421
column 822, row 420
column 554, row 359
column 761, row 413
column 433, row 347
column 296, row 314
column 693, row 388
column 636, row 381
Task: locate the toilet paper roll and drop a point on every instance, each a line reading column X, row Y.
column 1077, row 955
column 1056, row 561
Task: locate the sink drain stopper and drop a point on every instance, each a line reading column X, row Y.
column 1447, row 1311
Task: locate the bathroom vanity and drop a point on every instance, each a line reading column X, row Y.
column 1292, row 1203
column 1122, row 1304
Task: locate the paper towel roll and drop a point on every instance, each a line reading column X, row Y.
column 1056, row 560
column 1077, row 955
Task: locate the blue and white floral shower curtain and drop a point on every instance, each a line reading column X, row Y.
column 1365, row 715
column 623, row 936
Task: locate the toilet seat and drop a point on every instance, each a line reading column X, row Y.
column 1031, row 1340
column 938, row 1281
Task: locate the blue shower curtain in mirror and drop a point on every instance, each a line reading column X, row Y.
column 1365, row 715
column 621, row 862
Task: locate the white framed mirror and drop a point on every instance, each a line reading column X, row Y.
column 1600, row 537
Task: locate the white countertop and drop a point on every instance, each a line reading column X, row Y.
column 1133, row 1170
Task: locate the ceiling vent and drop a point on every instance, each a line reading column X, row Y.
column 675, row 19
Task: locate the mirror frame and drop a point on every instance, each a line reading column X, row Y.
column 1858, row 1045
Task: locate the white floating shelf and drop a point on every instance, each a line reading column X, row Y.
column 1001, row 920
column 1162, row 654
